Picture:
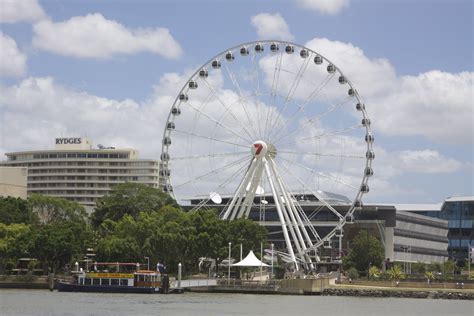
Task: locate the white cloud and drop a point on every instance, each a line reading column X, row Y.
column 271, row 26
column 436, row 105
column 12, row 61
column 426, row 161
column 93, row 36
column 330, row 7
column 12, row 11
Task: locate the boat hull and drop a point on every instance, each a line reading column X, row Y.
column 68, row 287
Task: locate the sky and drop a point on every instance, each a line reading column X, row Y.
column 110, row 70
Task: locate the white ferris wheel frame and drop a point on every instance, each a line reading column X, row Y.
column 301, row 238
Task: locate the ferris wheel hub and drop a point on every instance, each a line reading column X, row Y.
column 259, row 149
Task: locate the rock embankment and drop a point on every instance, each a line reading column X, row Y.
column 399, row 293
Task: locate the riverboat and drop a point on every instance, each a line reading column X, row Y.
column 114, row 278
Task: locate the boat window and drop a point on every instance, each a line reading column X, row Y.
column 141, row 278
column 87, row 281
column 124, row 282
column 114, row 281
column 105, row 281
column 96, row 281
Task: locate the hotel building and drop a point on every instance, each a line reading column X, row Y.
column 76, row 171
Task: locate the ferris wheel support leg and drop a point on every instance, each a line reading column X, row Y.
column 280, row 216
column 253, row 188
column 236, row 200
column 291, row 211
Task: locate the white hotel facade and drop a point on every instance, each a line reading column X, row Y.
column 76, row 171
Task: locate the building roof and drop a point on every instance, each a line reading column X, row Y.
column 460, row 198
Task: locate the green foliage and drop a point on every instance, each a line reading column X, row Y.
column 52, row 210
column 395, row 273
column 172, row 236
column 430, row 276
column 374, row 273
column 365, row 250
column 352, row 273
column 16, row 211
column 129, row 199
column 419, row 267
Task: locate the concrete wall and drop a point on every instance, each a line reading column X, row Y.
column 13, row 182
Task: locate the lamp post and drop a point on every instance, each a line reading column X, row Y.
column 272, row 262
column 147, row 263
column 228, row 270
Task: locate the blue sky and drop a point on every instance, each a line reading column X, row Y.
column 419, row 91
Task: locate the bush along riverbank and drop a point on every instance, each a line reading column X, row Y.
column 454, row 295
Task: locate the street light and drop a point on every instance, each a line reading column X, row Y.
column 147, row 263
column 228, row 269
column 272, row 262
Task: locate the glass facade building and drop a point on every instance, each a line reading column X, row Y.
column 459, row 212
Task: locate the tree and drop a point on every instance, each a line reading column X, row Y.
column 50, row 209
column 15, row 242
column 395, row 273
column 16, row 210
column 365, row 250
column 131, row 199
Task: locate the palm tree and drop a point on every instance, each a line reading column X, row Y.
column 429, row 277
column 396, row 274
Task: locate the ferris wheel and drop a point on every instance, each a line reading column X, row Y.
column 270, row 121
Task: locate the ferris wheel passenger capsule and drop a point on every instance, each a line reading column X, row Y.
column 165, row 157
column 175, row 110
column 274, row 47
column 304, row 53
column 229, row 56
column 259, row 48
column 358, row 204
column 216, row 64
column 244, row 51
column 369, row 138
column 366, row 122
column 170, row 125
column 370, row 155
column 167, row 141
column 364, row 188
column 168, row 188
column 360, row 106
column 203, row 73
column 318, row 60
column 331, row 68
column 342, row 80
column 193, row 84
column 289, row 49
column 351, row 92
column 183, row 97
column 369, row 172
column 165, row 172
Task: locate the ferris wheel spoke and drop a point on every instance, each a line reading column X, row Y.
column 319, row 173
column 316, row 118
column 227, row 108
column 322, row 135
column 210, row 138
column 300, row 108
column 320, row 154
column 192, row 157
column 273, row 94
column 242, row 97
column 256, row 84
column 218, row 122
column 294, row 86
column 214, row 171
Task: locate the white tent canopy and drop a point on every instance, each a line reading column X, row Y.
column 250, row 261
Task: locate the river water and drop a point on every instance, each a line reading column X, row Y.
column 43, row 302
